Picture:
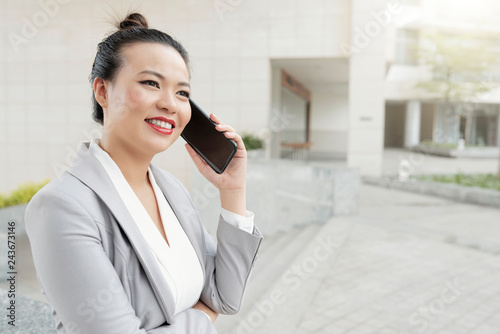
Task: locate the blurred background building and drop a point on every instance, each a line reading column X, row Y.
column 329, row 80
column 414, row 115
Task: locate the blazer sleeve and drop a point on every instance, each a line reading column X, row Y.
column 78, row 278
column 228, row 263
column 228, row 269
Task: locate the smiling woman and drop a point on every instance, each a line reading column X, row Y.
column 150, row 89
column 117, row 243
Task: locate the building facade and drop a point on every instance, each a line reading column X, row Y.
column 324, row 73
column 415, row 115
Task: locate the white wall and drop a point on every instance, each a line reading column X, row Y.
column 45, row 95
column 45, row 107
column 329, row 122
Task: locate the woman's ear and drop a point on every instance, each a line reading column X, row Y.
column 101, row 92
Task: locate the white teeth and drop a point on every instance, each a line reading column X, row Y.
column 161, row 124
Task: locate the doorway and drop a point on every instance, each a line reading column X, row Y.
column 295, row 116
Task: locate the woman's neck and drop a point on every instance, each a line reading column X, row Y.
column 132, row 164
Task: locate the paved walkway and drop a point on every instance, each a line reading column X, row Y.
column 407, row 263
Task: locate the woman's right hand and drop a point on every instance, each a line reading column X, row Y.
column 204, row 308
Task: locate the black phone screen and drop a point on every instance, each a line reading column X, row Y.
column 213, row 146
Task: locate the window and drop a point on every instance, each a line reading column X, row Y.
column 406, row 46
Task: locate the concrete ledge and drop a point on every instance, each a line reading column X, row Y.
column 285, row 193
column 471, row 195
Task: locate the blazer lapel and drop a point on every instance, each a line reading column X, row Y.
column 89, row 170
column 184, row 212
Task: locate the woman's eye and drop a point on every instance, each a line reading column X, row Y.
column 151, row 83
column 184, row 93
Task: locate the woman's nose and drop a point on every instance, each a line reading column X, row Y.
column 167, row 102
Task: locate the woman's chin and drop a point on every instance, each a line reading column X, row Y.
column 158, row 146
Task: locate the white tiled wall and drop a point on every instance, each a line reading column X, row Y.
column 329, row 122
column 45, row 106
column 366, row 90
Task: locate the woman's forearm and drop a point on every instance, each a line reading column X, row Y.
column 234, row 200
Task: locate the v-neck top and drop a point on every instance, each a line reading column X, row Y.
column 178, row 262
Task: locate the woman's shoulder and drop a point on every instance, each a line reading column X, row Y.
column 64, row 183
column 63, row 207
column 60, row 191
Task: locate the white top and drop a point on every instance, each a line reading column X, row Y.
column 178, row 262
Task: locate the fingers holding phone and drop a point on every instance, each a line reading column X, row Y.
column 216, row 149
column 211, row 145
column 229, row 132
column 234, row 176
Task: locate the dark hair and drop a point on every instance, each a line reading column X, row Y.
column 133, row 29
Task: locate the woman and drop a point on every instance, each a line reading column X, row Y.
column 117, row 243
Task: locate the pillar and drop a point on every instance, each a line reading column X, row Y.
column 412, row 124
column 367, row 66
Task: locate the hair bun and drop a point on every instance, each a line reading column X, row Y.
column 133, row 20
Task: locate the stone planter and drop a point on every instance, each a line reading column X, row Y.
column 256, row 154
column 454, row 192
column 467, row 152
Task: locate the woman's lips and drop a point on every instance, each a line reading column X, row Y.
column 161, row 124
column 160, row 129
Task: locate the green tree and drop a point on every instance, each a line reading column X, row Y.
column 461, row 65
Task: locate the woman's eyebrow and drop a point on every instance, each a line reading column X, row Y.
column 161, row 76
column 183, row 83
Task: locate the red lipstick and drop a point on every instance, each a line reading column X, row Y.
column 159, row 124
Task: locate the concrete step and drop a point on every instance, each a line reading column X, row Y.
column 274, row 258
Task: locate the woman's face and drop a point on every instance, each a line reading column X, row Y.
column 147, row 101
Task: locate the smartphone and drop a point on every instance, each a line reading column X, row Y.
column 213, row 146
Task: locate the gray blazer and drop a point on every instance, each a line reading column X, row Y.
column 97, row 271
